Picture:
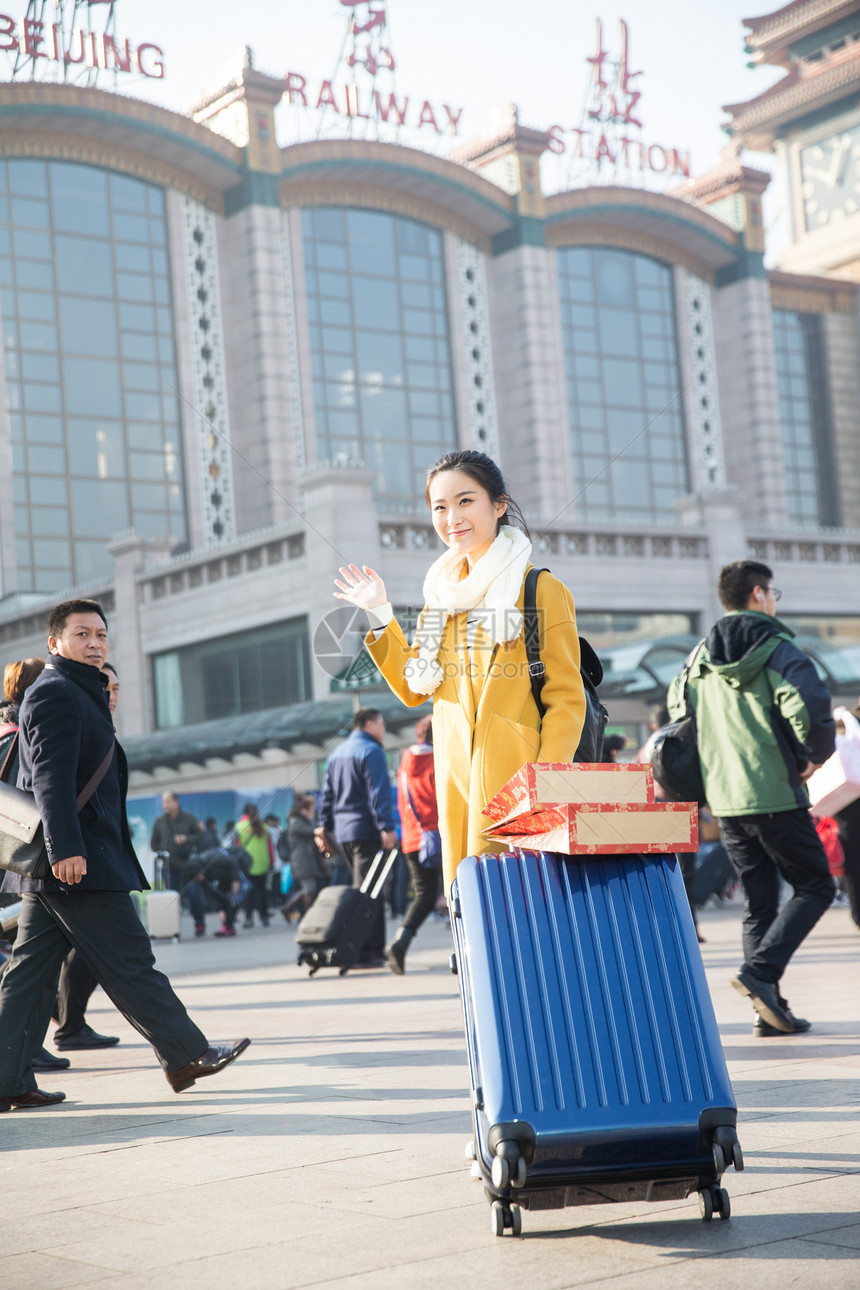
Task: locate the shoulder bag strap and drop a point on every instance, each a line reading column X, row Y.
column 531, row 636
column 410, row 801
column 94, row 781
column 10, row 757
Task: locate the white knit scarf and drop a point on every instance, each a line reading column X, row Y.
column 493, row 585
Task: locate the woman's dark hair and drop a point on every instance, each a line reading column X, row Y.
column 300, row 805
column 484, row 471
column 252, row 815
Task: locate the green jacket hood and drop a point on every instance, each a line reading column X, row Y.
column 739, row 646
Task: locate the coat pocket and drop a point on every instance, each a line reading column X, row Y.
column 93, row 815
column 506, row 746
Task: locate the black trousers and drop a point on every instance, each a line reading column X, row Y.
column 762, row 848
column 104, row 928
column 257, row 898
column 361, row 855
column 426, row 889
column 76, row 985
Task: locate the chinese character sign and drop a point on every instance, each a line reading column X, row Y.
column 609, row 136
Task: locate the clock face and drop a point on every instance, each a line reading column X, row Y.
column 830, row 175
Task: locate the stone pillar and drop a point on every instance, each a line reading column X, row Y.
column 342, row 528
column 260, row 369
column 749, row 399
column 698, row 365
column 205, row 409
column 474, row 382
column 720, row 516
column 530, row 382
column 131, row 553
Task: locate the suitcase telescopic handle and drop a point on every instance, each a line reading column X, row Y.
column 386, row 870
column 371, row 875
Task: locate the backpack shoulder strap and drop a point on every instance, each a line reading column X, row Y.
column 531, row 635
column 685, row 674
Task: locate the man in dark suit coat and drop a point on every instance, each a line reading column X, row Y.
column 66, row 734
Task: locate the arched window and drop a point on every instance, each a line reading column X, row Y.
column 379, row 339
column 623, row 384
column 90, row 367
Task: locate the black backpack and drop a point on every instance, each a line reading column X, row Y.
column 675, row 752
column 591, row 670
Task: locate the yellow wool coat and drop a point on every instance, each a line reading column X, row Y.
column 485, row 720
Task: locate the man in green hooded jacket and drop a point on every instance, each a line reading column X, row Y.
column 763, row 724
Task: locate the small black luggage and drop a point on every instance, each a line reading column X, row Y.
column 336, row 928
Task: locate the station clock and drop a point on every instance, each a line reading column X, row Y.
column 830, row 178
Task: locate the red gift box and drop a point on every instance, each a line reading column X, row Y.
column 603, row 829
column 544, row 783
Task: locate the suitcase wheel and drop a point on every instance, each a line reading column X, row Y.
column 714, row 1200
column 727, row 1150
column 509, row 1166
column 471, row 1153
column 343, row 971
column 505, row 1216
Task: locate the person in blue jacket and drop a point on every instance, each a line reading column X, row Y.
column 357, row 809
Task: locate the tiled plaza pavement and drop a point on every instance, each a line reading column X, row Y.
column 331, row 1154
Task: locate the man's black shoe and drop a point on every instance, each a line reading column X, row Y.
column 765, row 999
column 86, row 1037
column 762, row 1030
column 212, row 1061
column 31, row 1101
column 45, row 1061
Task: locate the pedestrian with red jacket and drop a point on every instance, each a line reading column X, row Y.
column 422, row 846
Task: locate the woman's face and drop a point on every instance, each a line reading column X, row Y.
column 463, row 514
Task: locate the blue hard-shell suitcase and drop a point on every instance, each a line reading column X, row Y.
column 596, row 1066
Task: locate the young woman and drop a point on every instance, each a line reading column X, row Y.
column 254, row 837
column 469, row 653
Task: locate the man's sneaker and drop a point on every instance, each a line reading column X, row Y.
column 199, row 929
column 765, row 999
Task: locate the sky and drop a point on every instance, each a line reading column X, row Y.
column 476, row 54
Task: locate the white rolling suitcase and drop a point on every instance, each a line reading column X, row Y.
column 161, row 909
